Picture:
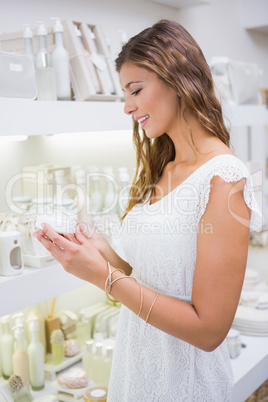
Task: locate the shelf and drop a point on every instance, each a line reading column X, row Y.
column 35, row 285
column 250, row 367
column 246, row 115
column 181, row 3
column 253, row 16
column 26, row 117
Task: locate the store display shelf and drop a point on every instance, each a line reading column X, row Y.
column 250, row 367
column 26, row 117
column 181, row 3
column 35, row 285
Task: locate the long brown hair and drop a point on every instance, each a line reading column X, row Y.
column 170, row 51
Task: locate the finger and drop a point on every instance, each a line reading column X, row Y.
column 86, row 229
column 55, row 237
column 53, row 248
column 71, row 237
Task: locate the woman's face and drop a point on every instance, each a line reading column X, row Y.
column 151, row 102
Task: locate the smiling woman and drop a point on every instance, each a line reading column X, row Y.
column 185, row 231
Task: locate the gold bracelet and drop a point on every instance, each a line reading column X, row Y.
column 149, row 312
column 117, row 279
column 141, row 303
column 109, row 285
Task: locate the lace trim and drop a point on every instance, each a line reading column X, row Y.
column 233, row 172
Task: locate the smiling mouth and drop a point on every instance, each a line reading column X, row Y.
column 143, row 119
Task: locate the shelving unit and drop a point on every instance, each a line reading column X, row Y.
column 181, row 3
column 25, row 117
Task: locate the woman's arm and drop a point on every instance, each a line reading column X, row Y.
column 218, row 278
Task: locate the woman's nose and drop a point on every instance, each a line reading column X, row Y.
column 130, row 106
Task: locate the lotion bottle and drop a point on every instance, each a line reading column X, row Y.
column 87, row 359
column 35, row 312
column 42, row 51
column 6, row 347
column 107, row 365
column 60, row 61
column 28, row 42
column 83, row 330
column 20, row 357
column 36, row 357
column 98, row 365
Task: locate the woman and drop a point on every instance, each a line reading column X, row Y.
column 185, row 230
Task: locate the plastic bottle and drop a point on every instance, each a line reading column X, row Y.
column 6, row 347
column 45, row 73
column 20, row 320
column 83, row 51
column 83, row 330
column 57, row 346
column 60, row 61
column 107, row 364
column 42, row 51
column 28, row 42
column 98, row 365
column 36, row 357
column 87, row 359
column 35, row 312
column 20, row 358
column 83, row 201
column 96, row 194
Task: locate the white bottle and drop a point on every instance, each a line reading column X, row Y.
column 107, row 364
column 83, row 330
column 42, row 51
column 20, row 320
column 83, row 51
column 20, row 358
column 36, row 357
column 96, row 194
column 45, row 73
column 87, row 359
column 83, row 201
column 28, row 42
column 35, row 312
column 98, row 365
column 6, row 347
column 60, row 61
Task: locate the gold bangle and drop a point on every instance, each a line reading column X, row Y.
column 141, row 303
column 149, row 312
column 108, row 288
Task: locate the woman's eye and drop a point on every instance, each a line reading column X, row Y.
column 136, row 92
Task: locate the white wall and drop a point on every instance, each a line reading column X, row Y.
column 218, row 30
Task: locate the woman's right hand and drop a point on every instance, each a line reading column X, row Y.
column 95, row 237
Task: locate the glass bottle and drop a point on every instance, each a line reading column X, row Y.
column 6, row 347
column 57, row 346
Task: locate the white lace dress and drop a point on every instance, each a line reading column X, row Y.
column 160, row 245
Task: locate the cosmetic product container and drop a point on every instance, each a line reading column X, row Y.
column 20, row 357
column 96, row 394
column 60, row 62
column 57, row 346
column 28, row 42
column 87, row 359
column 6, row 347
column 36, row 357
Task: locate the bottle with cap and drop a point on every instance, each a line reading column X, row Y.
column 36, row 312
column 60, row 61
column 20, row 358
column 45, row 74
column 36, row 357
column 6, row 347
column 28, row 42
column 87, row 359
column 83, row 330
column 98, row 365
column 107, row 364
column 42, row 53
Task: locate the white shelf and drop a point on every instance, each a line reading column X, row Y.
column 254, row 15
column 250, row 367
column 35, row 285
column 246, row 115
column 25, row 117
column 181, row 3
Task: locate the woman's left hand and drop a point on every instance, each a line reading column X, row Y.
column 79, row 258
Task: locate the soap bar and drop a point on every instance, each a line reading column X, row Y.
column 60, row 222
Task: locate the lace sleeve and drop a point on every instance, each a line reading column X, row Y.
column 233, row 171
